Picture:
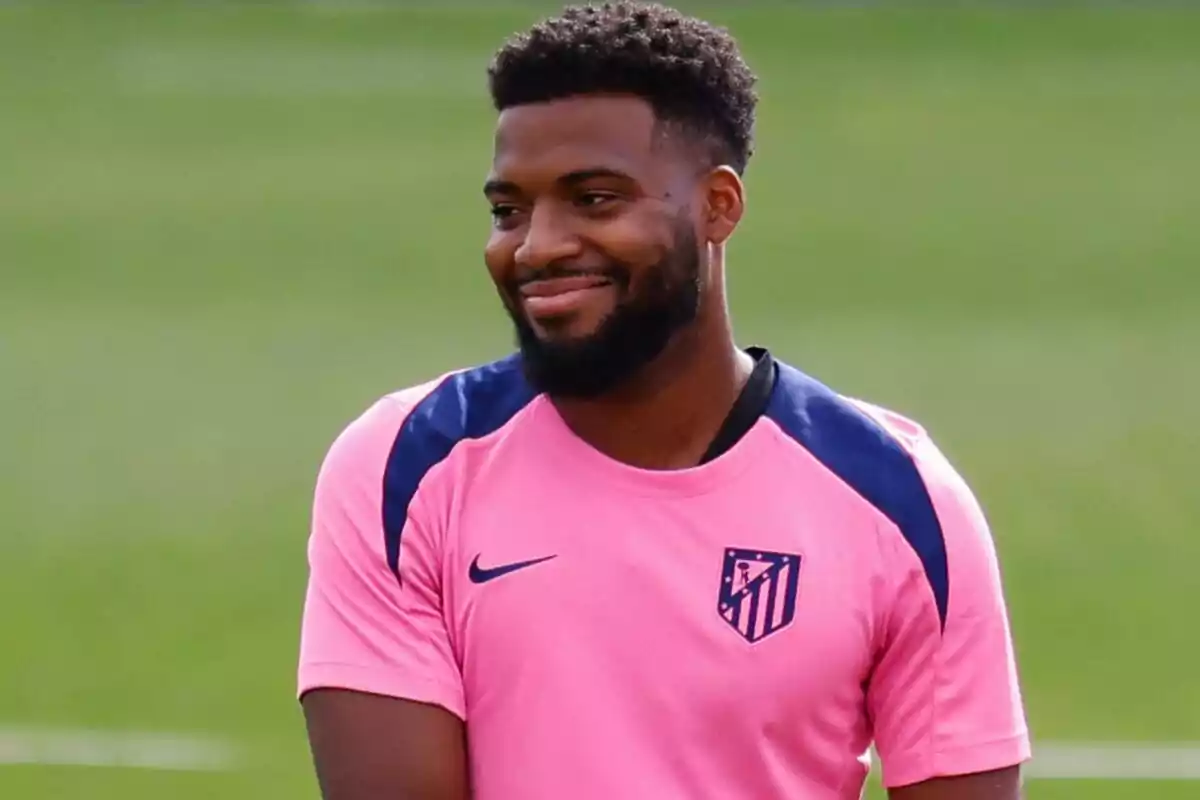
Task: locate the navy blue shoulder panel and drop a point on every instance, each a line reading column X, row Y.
column 467, row 405
column 869, row 460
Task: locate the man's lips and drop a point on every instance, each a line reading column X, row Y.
column 554, row 297
column 550, row 287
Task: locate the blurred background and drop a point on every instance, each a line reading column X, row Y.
column 225, row 229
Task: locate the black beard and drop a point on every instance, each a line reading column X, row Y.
column 638, row 330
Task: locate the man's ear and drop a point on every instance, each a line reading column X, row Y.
column 725, row 203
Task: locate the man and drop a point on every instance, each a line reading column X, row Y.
column 633, row 560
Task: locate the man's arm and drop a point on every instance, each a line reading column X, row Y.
column 1001, row 784
column 369, row 747
column 378, row 680
column 943, row 698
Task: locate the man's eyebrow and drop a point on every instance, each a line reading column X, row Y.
column 573, row 178
column 584, row 175
column 497, row 186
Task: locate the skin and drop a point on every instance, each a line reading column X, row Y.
column 576, row 183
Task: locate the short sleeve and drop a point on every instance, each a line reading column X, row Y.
column 364, row 628
column 944, row 698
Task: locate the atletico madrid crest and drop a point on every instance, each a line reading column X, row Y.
column 758, row 591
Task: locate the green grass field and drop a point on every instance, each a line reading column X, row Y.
column 224, row 232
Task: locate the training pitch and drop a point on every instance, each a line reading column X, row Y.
column 225, row 232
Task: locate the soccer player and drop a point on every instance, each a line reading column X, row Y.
column 635, row 561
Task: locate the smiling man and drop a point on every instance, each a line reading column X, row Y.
column 635, row 560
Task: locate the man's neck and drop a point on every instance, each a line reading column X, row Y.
column 667, row 418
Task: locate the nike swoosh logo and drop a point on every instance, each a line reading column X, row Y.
column 478, row 574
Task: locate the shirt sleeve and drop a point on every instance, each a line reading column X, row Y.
column 945, row 700
column 363, row 628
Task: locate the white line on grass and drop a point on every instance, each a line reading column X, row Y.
column 1103, row 761
column 93, row 748
column 1140, row 761
column 172, row 751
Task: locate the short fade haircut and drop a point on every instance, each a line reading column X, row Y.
column 689, row 71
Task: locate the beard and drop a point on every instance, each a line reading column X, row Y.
column 650, row 313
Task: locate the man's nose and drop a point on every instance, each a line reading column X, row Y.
column 548, row 239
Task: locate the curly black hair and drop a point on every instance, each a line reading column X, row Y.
column 689, row 71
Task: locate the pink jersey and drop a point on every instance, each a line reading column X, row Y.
column 744, row 629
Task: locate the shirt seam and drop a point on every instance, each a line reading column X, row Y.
column 379, row 671
column 1016, row 737
column 384, row 673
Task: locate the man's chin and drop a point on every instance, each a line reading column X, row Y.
column 565, row 366
column 556, row 347
column 564, row 332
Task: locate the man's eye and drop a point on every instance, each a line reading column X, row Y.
column 504, row 215
column 592, row 199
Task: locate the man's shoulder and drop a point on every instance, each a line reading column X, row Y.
column 475, row 385
column 821, row 417
column 467, row 403
column 423, row 421
column 875, row 452
column 889, row 460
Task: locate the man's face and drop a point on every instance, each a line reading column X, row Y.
column 593, row 247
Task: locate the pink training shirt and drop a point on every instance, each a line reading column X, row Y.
column 743, row 629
